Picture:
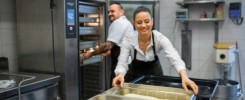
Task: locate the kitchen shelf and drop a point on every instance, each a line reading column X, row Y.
column 87, row 20
column 87, row 44
column 200, row 20
column 88, row 30
column 91, row 60
column 187, row 34
column 83, row 9
column 199, row 2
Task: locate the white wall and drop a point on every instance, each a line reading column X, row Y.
column 203, row 53
column 8, row 42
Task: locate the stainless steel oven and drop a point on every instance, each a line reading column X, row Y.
column 51, row 36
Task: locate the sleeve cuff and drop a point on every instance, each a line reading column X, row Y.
column 122, row 70
column 114, row 41
column 179, row 67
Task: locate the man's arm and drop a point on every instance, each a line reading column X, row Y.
column 103, row 48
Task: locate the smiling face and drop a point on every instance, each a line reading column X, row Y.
column 114, row 12
column 143, row 23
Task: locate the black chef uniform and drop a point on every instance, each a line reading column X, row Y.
column 115, row 51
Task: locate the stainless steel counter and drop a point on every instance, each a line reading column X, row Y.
column 29, row 83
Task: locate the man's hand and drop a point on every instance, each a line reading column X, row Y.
column 119, row 79
column 106, row 53
column 86, row 55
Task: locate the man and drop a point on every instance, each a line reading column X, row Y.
column 120, row 26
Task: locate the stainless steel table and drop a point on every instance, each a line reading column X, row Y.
column 30, row 86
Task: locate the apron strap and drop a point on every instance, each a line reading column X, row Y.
column 153, row 44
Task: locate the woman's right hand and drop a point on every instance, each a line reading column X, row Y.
column 119, row 79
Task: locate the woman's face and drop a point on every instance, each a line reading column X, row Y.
column 143, row 23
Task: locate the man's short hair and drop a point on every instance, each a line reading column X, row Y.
column 116, row 3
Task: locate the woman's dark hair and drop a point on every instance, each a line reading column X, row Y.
column 116, row 3
column 141, row 9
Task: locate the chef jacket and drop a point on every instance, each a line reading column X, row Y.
column 118, row 29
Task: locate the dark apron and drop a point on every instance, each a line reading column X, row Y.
column 115, row 51
column 138, row 68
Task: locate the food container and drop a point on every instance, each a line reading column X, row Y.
column 137, row 91
column 206, row 87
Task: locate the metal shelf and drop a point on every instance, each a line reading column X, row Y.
column 201, row 20
column 92, row 60
column 83, row 9
column 87, row 44
column 199, row 2
column 216, row 21
column 87, row 20
column 88, row 30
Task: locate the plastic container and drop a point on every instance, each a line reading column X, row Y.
column 219, row 11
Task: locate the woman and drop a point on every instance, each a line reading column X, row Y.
column 142, row 46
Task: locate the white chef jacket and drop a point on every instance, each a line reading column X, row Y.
column 118, row 29
column 130, row 42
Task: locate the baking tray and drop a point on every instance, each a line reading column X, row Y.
column 87, row 44
column 88, row 30
column 110, row 97
column 91, row 60
column 206, row 87
column 156, row 92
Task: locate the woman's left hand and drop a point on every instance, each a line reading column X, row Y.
column 187, row 82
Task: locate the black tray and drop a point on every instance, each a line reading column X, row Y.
column 206, row 87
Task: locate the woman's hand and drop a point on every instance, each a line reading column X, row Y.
column 119, row 79
column 187, row 82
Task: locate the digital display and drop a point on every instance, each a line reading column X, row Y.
column 70, row 17
column 235, row 6
column 235, row 10
column 181, row 13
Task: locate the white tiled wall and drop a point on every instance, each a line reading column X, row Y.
column 203, row 53
column 8, row 42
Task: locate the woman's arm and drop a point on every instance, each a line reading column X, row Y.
column 125, row 52
column 122, row 66
column 187, row 82
column 177, row 62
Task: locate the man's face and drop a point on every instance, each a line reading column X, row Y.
column 114, row 12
